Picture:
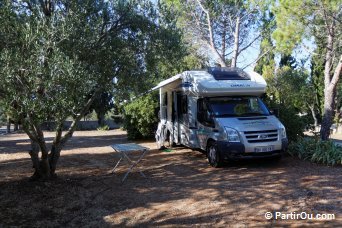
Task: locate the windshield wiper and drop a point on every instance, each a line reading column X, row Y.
column 226, row 115
column 253, row 114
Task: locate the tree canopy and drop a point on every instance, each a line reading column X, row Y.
column 297, row 20
column 53, row 54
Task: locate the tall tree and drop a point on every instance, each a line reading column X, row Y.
column 101, row 105
column 299, row 19
column 222, row 29
column 53, row 54
column 316, row 81
column 265, row 63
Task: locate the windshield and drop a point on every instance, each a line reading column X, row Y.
column 237, row 106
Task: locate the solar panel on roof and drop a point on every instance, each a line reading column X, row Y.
column 222, row 73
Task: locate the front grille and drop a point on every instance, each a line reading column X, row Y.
column 261, row 136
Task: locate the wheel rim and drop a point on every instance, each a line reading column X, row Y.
column 212, row 154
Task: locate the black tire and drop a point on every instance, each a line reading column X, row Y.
column 213, row 155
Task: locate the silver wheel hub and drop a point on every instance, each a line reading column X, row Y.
column 212, row 154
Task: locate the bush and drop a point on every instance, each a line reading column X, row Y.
column 141, row 117
column 315, row 150
column 103, row 128
column 295, row 125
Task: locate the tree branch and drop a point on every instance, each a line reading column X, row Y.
column 211, row 37
column 257, row 60
column 248, row 45
column 337, row 74
column 72, row 128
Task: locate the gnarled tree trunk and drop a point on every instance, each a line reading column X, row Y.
column 330, row 83
column 45, row 165
column 327, row 120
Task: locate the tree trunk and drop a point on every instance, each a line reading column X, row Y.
column 53, row 158
column 328, row 114
column 45, row 167
column 100, row 119
column 330, row 83
column 236, row 42
column 16, row 126
column 314, row 115
column 41, row 169
column 34, row 154
column 224, row 39
column 8, row 124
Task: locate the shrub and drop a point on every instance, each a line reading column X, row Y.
column 141, row 117
column 103, row 128
column 315, row 150
column 295, row 125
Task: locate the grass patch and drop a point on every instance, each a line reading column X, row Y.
column 315, row 150
column 167, row 150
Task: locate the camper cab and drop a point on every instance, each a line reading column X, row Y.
column 219, row 111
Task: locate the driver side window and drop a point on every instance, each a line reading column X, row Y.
column 203, row 113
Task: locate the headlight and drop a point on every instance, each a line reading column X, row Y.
column 282, row 133
column 232, row 135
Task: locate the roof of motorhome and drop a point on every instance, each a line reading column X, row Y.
column 216, row 81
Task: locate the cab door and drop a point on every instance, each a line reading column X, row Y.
column 183, row 119
column 205, row 123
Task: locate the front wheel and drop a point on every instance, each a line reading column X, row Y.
column 213, row 155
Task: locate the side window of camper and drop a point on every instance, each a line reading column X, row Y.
column 165, row 99
column 164, row 106
column 182, row 101
column 203, row 113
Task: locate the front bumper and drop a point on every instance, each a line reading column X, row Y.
column 237, row 151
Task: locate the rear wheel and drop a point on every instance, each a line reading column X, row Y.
column 213, row 155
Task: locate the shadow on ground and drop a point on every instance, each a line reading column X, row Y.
column 180, row 190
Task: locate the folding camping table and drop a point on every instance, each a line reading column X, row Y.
column 124, row 150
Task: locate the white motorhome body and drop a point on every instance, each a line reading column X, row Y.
column 191, row 115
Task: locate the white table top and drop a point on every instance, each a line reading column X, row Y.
column 128, row 147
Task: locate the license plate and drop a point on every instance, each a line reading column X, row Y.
column 264, row 149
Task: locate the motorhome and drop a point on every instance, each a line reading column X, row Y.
column 219, row 111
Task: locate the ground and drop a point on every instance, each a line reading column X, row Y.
column 181, row 189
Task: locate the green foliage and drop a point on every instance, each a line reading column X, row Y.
column 266, row 64
column 290, row 24
column 193, row 19
column 141, row 117
column 103, row 128
column 285, row 92
column 3, row 117
column 315, row 150
column 317, row 78
column 295, row 125
column 50, row 63
column 53, row 54
column 101, row 105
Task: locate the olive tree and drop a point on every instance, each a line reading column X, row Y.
column 54, row 53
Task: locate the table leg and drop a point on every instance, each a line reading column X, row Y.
column 134, row 164
column 112, row 171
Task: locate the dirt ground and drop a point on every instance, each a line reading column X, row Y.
column 181, row 189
